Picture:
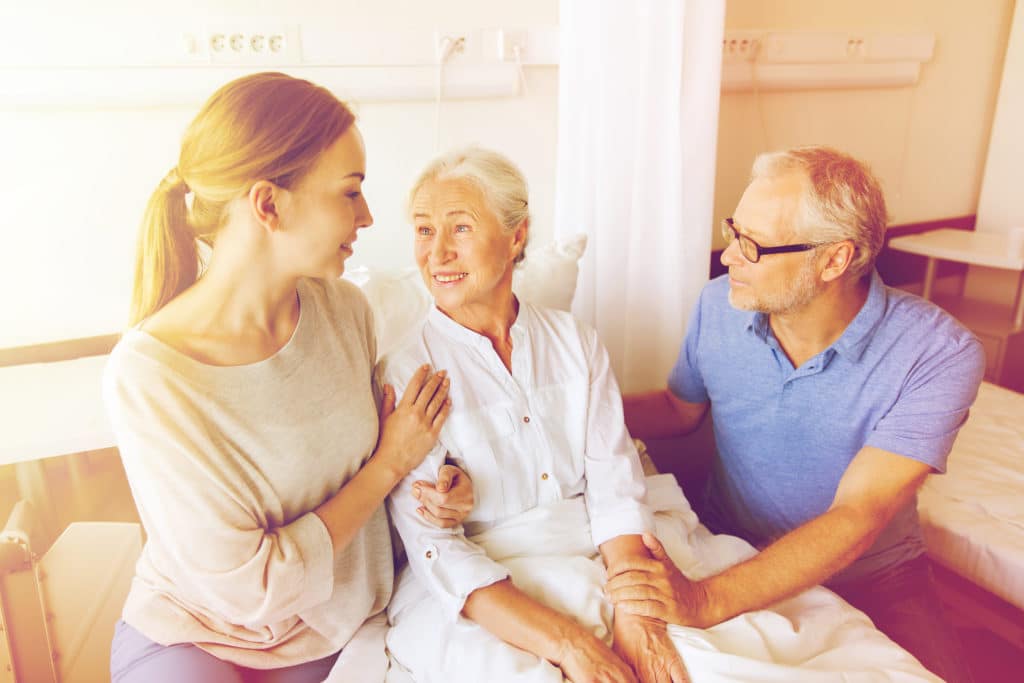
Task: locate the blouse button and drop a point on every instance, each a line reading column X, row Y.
column 430, row 554
column 526, row 418
column 544, row 476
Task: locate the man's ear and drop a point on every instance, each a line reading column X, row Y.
column 839, row 257
column 264, row 200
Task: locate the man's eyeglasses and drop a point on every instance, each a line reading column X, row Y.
column 751, row 250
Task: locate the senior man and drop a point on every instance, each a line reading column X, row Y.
column 833, row 397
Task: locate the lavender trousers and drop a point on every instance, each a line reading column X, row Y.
column 134, row 658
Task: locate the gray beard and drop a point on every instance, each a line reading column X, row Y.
column 793, row 298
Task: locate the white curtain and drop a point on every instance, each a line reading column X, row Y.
column 638, row 121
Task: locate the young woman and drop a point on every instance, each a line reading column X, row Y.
column 244, row 407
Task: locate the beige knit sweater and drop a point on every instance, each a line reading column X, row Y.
column 226, row 464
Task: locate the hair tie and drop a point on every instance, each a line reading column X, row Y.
column 175, row 183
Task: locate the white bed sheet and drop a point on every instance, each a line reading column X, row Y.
column 812, row 638
column 972, row 517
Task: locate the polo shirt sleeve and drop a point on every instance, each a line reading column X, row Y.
column 933, row 405
column 686, row 380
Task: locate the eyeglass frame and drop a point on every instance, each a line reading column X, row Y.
column 737, row 236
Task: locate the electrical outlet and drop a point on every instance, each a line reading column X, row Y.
column 510, row 41
column 855, row 47
column 250, row 44
column 458, row 46
column 448, row 46
column 740, row 46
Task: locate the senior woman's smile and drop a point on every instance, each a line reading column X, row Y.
column 465, row 254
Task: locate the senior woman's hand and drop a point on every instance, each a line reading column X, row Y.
column 645, row 645
column 446, row 502
column 588, row 660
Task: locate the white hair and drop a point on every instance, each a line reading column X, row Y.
column 502, row 183
column 843, row 201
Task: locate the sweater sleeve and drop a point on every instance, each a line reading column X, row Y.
column 191, row 493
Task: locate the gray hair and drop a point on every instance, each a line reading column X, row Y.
column 844, row 200
column 502, row 183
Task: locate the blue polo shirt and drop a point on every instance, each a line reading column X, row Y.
column 900, row 378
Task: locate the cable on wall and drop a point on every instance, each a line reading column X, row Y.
column 755, row 49
column 517, row 51
column 446, row 47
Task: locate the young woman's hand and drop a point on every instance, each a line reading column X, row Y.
column 410, row 429
column 588, row 660
column 446, row 502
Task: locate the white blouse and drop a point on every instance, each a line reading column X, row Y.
column 551, row 430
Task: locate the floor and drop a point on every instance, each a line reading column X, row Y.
column 92, row 486
column 992, row 659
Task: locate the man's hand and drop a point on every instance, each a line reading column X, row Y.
column 656, row 588
column 645, row 645
column 448, row 501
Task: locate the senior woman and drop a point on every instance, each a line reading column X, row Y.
column 537, row 423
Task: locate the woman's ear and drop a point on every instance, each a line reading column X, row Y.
column 264, row 199
column 519, row 237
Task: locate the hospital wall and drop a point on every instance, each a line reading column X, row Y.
column 927, row 143
column 75, row 181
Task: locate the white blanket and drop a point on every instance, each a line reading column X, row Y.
column 971, row 517
column 814, row 637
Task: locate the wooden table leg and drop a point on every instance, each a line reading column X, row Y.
column 929, row 278
column 1018, row 304
column 33, row 487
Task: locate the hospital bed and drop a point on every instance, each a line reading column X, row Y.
column 772, row 645
column 58, row 607
column 972, row 517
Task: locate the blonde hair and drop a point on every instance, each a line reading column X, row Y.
column 501, row 182
column 844, row 200
column 266, row 126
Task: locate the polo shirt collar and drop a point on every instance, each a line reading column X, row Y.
column 757, row 323
column 857, row 335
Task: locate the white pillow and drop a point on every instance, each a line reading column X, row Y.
column 400, row 300
column 547, row 276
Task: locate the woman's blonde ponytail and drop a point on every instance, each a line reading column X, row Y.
column 167, row 257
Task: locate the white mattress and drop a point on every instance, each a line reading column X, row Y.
column 973, row 516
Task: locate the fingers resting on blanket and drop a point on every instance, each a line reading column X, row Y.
column 446, row 502
column 586, row 659
column 656, row 588
column 645, row 645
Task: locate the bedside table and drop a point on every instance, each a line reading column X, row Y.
column 1000, row 329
